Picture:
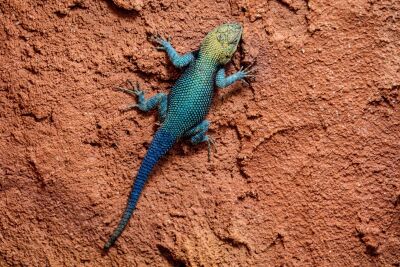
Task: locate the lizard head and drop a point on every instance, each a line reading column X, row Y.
column 221, row 43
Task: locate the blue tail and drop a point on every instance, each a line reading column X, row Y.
column 161, row 143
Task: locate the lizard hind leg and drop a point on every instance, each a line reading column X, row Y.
column 198, row 135
column 160, row 100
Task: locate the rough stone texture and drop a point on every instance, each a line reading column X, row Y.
column 129, row 4
column 307, row 167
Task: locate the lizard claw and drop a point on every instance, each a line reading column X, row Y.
column 134, row 90
column 160, row 41
column 210, row 144
column 129, row 107
column 247, row 72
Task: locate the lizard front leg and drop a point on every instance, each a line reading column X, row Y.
column 160, row 100
column 176, row 59
column 222, row 81
column 198, row 135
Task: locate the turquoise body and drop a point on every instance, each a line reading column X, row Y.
column 191, row 97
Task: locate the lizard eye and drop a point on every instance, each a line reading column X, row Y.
column 221, row 38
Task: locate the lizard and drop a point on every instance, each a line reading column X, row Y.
column 182, row 112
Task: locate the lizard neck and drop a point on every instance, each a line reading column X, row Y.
column 207, row 62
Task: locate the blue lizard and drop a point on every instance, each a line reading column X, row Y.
column 182, row 112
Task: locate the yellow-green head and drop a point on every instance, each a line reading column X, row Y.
column 221, row 43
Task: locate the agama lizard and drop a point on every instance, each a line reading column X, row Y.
column 182, row 112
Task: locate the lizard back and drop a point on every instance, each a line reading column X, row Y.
column 191, row 97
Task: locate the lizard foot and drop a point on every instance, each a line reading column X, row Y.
column 134, row 90
column 247, row 72
column 162, row 42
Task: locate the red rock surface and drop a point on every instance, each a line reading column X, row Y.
column 306, row 171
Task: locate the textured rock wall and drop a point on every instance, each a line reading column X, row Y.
column 306, row 171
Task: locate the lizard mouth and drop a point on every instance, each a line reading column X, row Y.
column 238, row 33
column 238, row 36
